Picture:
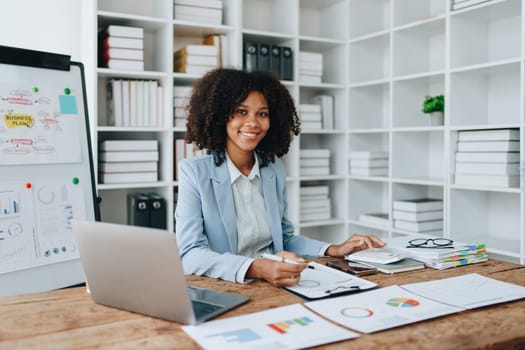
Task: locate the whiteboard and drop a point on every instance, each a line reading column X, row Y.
column 46, row 170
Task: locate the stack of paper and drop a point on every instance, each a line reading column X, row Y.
column 124, row 161
column 460, row 254
column 369, row 163
column 204, row 11
column 418, row 215
column 488, row 157
column 181, row 99
column 310, row 67
column 196, row 59
column 314, row 162
column 311, row 117
column 121, row 47
column 315, row 203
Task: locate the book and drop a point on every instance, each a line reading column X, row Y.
column 417, row 216
column 128, row 145
column 368, row 155
column 489, row 135
column 487, row 180
column 195, row 49
column 124, row 64
column 314, row 153
column 466, row 3
column 314, row 171
column 369, row 163
column 114, row 96
column 126, row 167
column 312, row 108
column 222, row 43
column 314, row 190
column 488, row 168
column 376, row 255
column 403, row 265
column 112, row 178
column 198, row 60
column 125, row 54
column 418, row 204
column 327, row 109
column 488, row 146
column 125, row 43
column 488, row 157
column 126, row 120
column 315, row 162
column 217, row 4
column 308, row 56
column 307, row 204
column 129, row 156
column 418, row 226
column 310, row 117
column 369, row 171
column 193, row 69
column 198, row 14
column 374, row 218
column 124, row 31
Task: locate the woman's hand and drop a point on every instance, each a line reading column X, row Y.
column 353, row 244
column 279, row 274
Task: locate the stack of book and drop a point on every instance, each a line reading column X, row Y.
column 327, row 109
column 137, row 103
column 221, row 42
column 459, row 4
column 461, row 254
column 378, row 219
column 124, row 161
column 181, row 99
column 121, row 47
column 369, row 163
column 311, row 117
column 204, row 11
column 196, row 59
column 315, row 202
column 488, row 157
column 418, row 215
column 310, row 67
column 314, row 162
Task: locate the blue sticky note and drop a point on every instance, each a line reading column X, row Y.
column 68, row 104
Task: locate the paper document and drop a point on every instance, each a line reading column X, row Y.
column 324, row 281
column 468, row 291
column 380, row 309
column 287, row 327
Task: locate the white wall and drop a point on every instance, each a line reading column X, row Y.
column 45, row 25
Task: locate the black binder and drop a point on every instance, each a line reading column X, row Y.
column 250, row 57
column 263, row 60
column 275, row 60
column 138, row 209
column 157, row 211
column 286, row 63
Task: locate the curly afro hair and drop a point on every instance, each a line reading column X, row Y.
column 214, row 100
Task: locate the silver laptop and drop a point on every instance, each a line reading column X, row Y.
column 139, row 269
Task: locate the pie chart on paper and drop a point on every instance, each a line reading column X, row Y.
column 402, row 302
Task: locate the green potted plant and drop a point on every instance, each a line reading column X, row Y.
column 434, row 106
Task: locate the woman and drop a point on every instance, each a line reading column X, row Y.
column 232, row 202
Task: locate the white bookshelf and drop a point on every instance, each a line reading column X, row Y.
column 380, row 58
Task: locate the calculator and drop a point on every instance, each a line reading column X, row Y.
column 376, row 255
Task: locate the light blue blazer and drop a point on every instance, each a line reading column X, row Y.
column 205, row 217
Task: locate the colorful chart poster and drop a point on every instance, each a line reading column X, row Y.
column 287, row 327
column 38, row 125
column 35, row 224
column 380, row 309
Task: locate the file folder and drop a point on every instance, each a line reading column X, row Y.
column 275, row 60
column 250, row 57
column 138, row 209
column 286, row 63
column 157, row 213
column 263, row 60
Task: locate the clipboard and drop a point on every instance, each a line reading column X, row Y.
column 325, row 282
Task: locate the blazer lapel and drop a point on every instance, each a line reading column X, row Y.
column 220, row 178
column 269, row 188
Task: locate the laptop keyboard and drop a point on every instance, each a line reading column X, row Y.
column 201, row 308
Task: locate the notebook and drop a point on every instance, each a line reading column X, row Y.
column 139, row 269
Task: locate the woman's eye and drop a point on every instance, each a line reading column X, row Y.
column 263, row 114
column 240, row 111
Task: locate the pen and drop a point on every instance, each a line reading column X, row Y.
column 281, row 259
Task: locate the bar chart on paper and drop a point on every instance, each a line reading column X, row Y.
column 287, row 327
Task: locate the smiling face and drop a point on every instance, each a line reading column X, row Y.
column 247, row 126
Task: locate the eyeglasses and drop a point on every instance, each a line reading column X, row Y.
column 433, row 243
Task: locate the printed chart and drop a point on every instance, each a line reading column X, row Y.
column 380, row 309
column 38, row 125
column 287, row 327
column 322, row 281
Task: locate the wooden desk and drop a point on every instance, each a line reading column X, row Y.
column 68, row 319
